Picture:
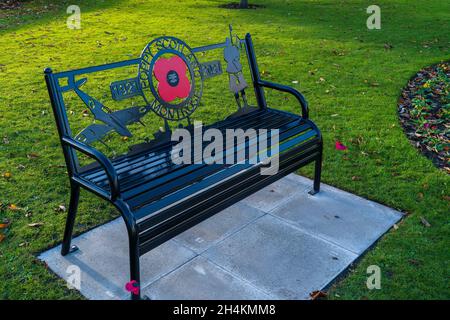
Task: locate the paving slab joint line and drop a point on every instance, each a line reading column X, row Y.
column 226, row 237
column 201, row 254
column 282, row 202
column 360, row 198
column 270, row 295
column 126, row 296
column 318, row 237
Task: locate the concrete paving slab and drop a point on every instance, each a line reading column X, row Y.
column 104, row 263
column 278, row 243
column 273, row 195
column 351, row 222
column 280, row 259
column 199, row 279
column 218, row 227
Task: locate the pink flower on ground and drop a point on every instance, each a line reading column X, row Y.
column 133, row 287
column 340, row 146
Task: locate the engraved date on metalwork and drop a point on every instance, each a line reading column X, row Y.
column 124, row 89
column 211, row 69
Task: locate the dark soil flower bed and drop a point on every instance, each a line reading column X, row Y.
column 424, row 110
column 9, row 4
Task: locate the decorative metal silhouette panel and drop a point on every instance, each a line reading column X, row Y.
column 170, row 81
column 171, row 78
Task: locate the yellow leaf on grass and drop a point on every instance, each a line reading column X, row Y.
column 13, row 207
column 7, row 175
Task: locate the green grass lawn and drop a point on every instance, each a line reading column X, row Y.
column 351, row 76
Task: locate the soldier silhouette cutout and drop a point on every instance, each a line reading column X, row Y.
column 234, row 69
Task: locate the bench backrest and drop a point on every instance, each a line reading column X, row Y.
column 169, row 82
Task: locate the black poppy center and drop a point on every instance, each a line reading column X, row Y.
column 172, row 78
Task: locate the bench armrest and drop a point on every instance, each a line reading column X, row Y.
column 101, row 159
column 301, row 99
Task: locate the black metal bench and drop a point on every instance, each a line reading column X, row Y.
column 156, row 197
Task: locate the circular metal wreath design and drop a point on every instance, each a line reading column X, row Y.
column 173, row 86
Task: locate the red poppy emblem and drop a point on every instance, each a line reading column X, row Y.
column 172, row 80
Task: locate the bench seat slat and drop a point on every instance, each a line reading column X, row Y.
column 126, row 166
column 152, row 191
column 147, row 161
column 151, row 183
column 138, row 175
column 125, row 161
column 186, row 193
column 186, row 168
column 154, row 232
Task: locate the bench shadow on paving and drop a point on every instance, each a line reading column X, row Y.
column 280, row 243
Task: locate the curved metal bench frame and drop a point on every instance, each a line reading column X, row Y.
column 113, row 193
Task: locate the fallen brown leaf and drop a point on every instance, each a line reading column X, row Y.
column 425, row 222
column 318, row 294
column 414, row 262
column 2, row 237
column 32, row 155
column 356, row 178
column 5, row 224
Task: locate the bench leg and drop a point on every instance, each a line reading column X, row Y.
column 73, row 206
column 317, row 173
column 135, row 274
column 133, row 241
